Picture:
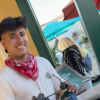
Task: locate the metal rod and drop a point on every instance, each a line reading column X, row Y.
column 50, row 95
column 57, row 77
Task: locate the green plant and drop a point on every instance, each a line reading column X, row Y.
column 53, row 51
column 83, row 39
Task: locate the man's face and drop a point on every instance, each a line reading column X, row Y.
column 16, row 42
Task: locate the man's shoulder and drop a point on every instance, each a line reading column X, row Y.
column 4, row 69
column 3, row 72
column 42, row 62
column 6, row 72
column 39, row 59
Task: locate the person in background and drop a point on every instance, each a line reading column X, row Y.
column 73, row 55
column 84, row 43
column 23, row 75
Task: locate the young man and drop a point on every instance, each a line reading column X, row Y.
column 24, row 75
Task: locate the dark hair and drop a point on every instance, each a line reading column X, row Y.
column 12, row 23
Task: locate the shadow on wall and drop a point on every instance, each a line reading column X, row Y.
column 1, row 62
column 3, row 56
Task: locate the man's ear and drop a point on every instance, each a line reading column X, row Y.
column 3, row 44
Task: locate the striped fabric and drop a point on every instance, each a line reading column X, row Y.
column 73, row 58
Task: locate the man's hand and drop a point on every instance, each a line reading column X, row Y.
column 71, row 88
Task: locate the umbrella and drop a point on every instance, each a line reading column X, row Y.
column 57, row 28
column 70, row 10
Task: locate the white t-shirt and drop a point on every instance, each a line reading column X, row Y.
column 15, row 86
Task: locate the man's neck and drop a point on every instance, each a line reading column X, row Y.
column 21, row 58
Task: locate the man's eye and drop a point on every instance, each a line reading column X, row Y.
column 11, row 37
column 22, row 34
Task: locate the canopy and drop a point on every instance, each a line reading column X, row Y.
column 70, row 10
column 57, row 28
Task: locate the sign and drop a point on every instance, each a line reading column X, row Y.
column 69, row 74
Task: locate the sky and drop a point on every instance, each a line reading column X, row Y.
column 47, row 10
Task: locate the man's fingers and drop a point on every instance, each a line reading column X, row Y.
column 73, row 89
column 76, row 92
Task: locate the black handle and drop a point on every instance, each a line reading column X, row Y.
column 63, row 86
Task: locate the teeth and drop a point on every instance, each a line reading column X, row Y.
column 20, row 47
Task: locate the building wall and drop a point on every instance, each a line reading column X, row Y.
column 9, row 8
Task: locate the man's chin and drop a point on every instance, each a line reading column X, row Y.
column 22, row 54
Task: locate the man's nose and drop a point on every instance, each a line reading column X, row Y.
column 19, row 39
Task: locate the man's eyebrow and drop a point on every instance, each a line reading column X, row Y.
column 22, row 32
column 11, row 34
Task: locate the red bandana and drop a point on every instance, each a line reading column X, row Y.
column 28, row 67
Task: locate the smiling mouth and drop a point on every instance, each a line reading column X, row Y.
column 20, row 47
